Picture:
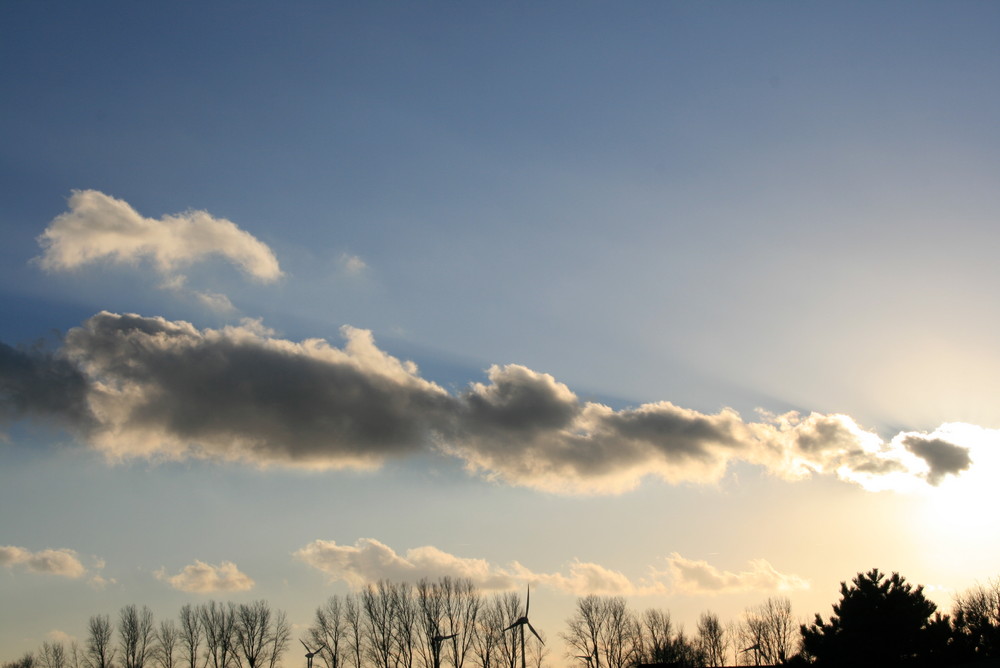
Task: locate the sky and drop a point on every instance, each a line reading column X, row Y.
column 693, row 303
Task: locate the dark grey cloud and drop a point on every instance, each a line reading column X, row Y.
column 941, row 456
column 238, row 393
column 135, row 386
column 35, row 383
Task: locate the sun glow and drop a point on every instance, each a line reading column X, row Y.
column 964, row 505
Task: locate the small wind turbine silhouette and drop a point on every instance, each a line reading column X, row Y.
column 522, row 621
column 310, row 653
column 436, row 647
column 756, row 650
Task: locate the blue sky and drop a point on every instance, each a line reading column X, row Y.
column 727, row 207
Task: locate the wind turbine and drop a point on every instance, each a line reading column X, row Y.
column 589, row 658
column 310, row 653
column 436, row 647
column 756, row 650
column 522, row 621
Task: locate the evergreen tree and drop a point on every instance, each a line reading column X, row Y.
column 879, row 621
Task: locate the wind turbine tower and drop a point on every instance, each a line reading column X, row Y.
column 310, row 653
column 521, row 622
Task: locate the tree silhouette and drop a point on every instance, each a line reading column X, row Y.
column 879, row 622
column 976, row 620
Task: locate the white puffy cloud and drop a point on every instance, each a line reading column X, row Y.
column 369, row 560
column 688, row 576
column 62, row 562
column 202, row 578
column 137, row 386
column 99, row 227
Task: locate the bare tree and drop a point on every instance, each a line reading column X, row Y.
column 53, row 655
column 327, row 631
column 191, row 635
column 219, row 624
column 619, row 637
column 252, row 627
column 167, row 640
column 536, row 651
column 431, row 605
column 281, row 635
column 488, row 637
column 712, row 639
column 406, row 627
column 26, row 661
column 462, row 603
column 769, row 631
column 584, row 629
column 100, row 652
column 976, row 616
column 135, row 635
column 660, row 643
column 76, row 658
column 509, row 612
column 376, row 601
column 657, row 635
column 355, row 629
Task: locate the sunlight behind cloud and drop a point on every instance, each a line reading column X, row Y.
column 160, row 389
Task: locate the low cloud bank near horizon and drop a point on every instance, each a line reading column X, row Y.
column 134, row 386
column 369, row 560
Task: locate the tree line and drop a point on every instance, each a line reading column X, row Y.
column 879, row 621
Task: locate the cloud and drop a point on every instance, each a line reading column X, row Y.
column 135, row 386
column 62, row 562
column 689, row 576
column 202, row 578
column 352, row 264
column 38, row 384
column 215, row 301
column 585, row 578
column 100, row 228
column 941, row 456
column 55, row 635
column 163, row 388
column 369, row 560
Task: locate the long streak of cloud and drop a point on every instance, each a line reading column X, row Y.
column 136, row 386
column 369, row 560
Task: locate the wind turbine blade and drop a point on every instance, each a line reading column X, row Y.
column 527, row 601
column 517, row 623
column 305, row 645
column 535, row 632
